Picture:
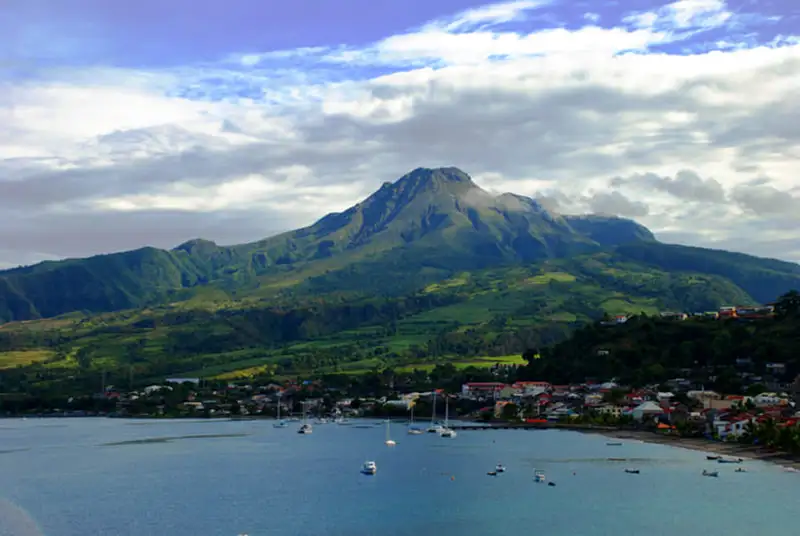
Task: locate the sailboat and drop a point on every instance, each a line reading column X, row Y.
column 389, row 441
column 413, row 430
column 305, row 428
column 434, row 428
column 280, row 423
column 446, row 431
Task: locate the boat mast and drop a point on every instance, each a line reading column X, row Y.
column 433, row 412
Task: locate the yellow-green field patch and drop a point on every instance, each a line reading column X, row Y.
column 543, row 279
column 24, row 357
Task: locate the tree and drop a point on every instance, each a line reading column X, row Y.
column 788, row 305
column 510, row 411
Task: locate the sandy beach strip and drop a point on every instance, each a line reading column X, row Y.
column 727, row 450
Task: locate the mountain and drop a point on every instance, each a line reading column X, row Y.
column 428, row 226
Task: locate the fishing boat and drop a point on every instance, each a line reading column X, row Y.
column 369, row 468
column 710, row 473
column 500, row 468
column 614, row 444
column 539, row 476
column 740, row 470
column 632, row 471
column 713, row 457
column 724, row 460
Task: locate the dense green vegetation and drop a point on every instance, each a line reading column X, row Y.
column 428, row 270
column 428, row 226
column 651, row 350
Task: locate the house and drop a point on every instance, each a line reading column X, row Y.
column 533, row 387
column 702, row 396
column 669, row 315
column 615, row 410
column 769, row 399
column 508, row 392
column 727, row 425
column 778, row 369
column 195, row 381
column 482, row 389
column 646, row 410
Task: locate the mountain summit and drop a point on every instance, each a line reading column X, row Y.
column 427, row 226
column 440, row 212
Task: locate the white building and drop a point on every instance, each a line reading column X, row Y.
column 646, row 410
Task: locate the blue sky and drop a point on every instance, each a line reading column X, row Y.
column 151, row 122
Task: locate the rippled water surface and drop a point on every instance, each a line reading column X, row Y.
column 82, row 477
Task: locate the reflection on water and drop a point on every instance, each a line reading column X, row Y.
column 168, row 439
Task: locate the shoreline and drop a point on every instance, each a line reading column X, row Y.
column 728, row 450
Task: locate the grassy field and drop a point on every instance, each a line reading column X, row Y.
column 23, row 357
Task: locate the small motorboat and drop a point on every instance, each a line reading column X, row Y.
column 492, row 473
column 713, row 457
column 740, row 470
column 710, row 473
column 305, row 429
column 617, row 459
column 415, row 431
column 551, row 484
column 369, row 468
column 632, row 471
column 723, row 460
column 500, row 468
column 614, row 444
column 539, row 476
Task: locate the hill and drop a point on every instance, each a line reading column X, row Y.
column 427, row 226
column 727, row 355
column 428, row 269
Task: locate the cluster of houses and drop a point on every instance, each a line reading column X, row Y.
column 720, row 415
column 743, row 312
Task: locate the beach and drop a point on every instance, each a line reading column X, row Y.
column 729, row 450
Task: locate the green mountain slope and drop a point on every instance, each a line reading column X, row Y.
column 493, row 312
column 426, row 227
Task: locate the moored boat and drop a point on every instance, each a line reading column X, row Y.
column 369, row 468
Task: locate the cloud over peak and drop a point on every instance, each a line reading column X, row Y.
column 667, row 114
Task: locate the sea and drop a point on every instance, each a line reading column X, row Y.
column 97, row 476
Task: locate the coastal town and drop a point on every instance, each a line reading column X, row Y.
column 699, row 412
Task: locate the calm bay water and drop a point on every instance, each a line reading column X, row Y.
column 83, row 477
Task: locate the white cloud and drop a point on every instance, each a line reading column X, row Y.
column 487, row 16
column 98, row 159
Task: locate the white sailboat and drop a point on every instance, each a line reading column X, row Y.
column 413, row 430
column 434, row 428
column 305, row 428
column 280, row 423
column 446, row 430
column 389, row 441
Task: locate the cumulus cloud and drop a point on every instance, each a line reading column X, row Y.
column 616, row 204
column 627, row 118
